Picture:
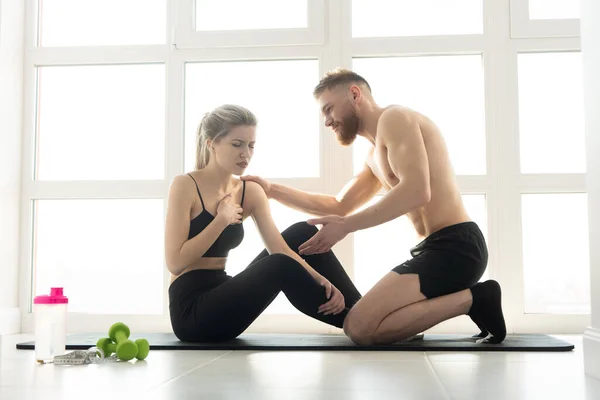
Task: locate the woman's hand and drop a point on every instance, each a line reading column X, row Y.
column 228, row 211
column 336, row 303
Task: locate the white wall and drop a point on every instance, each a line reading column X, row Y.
column 11, row 101
column 590, row 38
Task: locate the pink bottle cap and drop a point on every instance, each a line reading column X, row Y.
column 55, row 297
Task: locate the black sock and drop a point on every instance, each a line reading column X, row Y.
column 483, row 332
column 486, row 310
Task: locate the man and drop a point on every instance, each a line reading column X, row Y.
column 409, row 160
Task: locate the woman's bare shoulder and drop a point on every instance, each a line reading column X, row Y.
column 254, row 189
column 182, row 182
column 255, row 195
column 182, row 191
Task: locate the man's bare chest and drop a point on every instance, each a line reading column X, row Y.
column 379, row 164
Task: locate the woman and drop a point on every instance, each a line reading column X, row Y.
column 206, row 209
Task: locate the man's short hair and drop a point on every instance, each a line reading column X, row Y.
column 337, row 77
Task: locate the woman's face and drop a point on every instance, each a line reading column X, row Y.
column 234, row 151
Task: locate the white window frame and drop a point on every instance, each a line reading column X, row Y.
column 334, row 46
column 524, row 27
column 186, row 36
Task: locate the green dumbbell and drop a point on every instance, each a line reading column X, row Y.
column 143, row 348
column 107, row 346
column 119, row 334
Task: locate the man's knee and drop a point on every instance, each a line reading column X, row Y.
column 358, row 329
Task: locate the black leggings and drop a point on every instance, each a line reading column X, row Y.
column 211, row 306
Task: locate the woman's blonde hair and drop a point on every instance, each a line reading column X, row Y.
column 216, row 124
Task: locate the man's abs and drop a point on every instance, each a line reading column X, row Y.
column 433, row 216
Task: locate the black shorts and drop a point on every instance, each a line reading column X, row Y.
column 449, row 260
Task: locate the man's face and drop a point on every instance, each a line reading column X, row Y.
column 340, row 114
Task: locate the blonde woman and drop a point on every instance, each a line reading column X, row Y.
column 206, row 208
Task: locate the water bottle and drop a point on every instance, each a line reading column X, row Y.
column 50, row 313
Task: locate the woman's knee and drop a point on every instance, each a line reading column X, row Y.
column 279, row 259
column 284, row 267
column 278, row 262
column 284, row 260
column 299, row 233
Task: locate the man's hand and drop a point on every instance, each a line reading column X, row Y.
column 334, row 229
column 336, row 303
column 262, row 182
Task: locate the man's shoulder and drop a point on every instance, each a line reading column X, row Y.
column 395, row 121
column 398, row 113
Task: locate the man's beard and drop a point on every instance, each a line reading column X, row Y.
column 348, row 129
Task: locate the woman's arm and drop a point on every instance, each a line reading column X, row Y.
column 261, row 214
column 179, row 251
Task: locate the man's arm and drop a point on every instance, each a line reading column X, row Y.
column 408, row 159
column 310, row 203
column 357, row 192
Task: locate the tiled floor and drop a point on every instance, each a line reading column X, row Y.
column 303, row 375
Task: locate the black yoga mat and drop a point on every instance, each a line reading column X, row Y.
column 273, row 341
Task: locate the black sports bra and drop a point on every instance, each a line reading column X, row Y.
column 230, row 238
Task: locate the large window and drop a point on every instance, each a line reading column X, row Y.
column 552, row 147
column 380, row 18
column 449, row 89
column 232, row 15
column 553, row 9
column 278, row 93
column 115, row 91
column 551, row 112
column 239, row 23
column 107, row 253
column 101, row 23
column 556, row 253
column 81, row 135
column 544, row 18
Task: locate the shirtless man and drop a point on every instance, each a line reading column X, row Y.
column 409, row 160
